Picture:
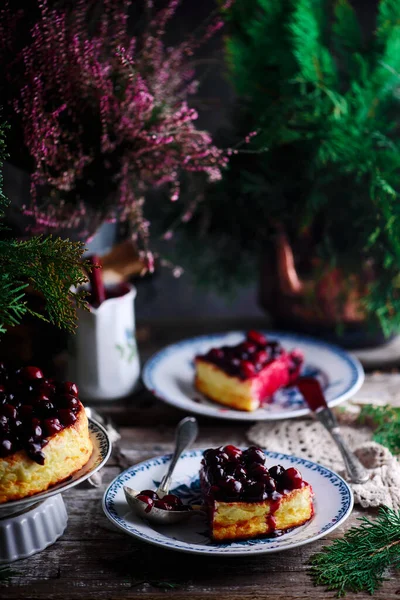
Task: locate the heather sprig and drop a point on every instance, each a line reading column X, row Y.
column 105, row 116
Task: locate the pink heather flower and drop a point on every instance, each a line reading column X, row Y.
column 105, row 109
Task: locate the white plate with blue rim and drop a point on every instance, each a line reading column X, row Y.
column 333, row 503
column 169, row 375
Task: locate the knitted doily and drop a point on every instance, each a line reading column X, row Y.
column 309, row 439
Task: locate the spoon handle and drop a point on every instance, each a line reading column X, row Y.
column 186, row 433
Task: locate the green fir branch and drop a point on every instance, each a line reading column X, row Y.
column 386, row 423
column 50, row 266
column 361, row 559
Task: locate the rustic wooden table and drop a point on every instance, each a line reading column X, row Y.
column 94, row 560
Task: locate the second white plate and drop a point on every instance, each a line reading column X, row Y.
column 169, row 375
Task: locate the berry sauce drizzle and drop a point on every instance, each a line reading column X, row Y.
column 32, row 410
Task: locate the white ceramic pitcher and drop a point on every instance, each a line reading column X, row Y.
column 103, row 358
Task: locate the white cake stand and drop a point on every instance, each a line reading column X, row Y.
column 30, row 525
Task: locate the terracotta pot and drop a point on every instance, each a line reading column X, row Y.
column 302, row 294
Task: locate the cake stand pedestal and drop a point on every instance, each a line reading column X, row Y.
column 31, row 529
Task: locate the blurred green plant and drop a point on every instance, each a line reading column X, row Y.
column 324, row 97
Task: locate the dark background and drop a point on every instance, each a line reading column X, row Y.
column 163, row 296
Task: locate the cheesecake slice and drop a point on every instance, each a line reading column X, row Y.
column 246, row 500
column 248, row 374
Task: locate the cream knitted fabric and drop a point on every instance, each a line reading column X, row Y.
column 309, row 439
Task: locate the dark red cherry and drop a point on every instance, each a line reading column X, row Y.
column 172, row 499
column 249, row 347
column 164, row 505
column 240, row 473
column 277, row 471
column 9, row 410
column 52, row 426
column 292, row 479
column 233, row 452
column 48, row 389
column 216, row 354
column 247, row 369
column 257, row 337
column 6, row 447
column 25, row 411
column 255, row 490
column 270, row 484
column 261, row 357
column 258, row 472
column 216, row 456
column 150, row 493
column 45, row 408
column 217, row 473
column 2, row 387
column 30, row 373
column 148, row 501
column 69, row 387
column 34, row 451
column 231, row 487
column 70, row 401
column 67, row 417
column 254, row 455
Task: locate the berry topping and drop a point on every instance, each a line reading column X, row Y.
column 247, row 369
column 243, row 475
column 292, row 479
column 52, row 426
column 255, row 490
column 69, row 387
column 231, row 487
column 232, row 452
column 257, row 338
column 30, row 373
column 67, row 417
column 70, row 401
column 261, row 358
column 277, row 471
column 216, row 354
column 9, row 411
column 254, row 455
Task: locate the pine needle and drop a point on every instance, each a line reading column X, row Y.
column 360, row 560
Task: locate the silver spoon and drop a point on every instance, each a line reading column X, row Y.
column 186, row 433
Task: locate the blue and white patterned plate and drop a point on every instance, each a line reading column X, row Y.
column 169, row 375
column 333, row 502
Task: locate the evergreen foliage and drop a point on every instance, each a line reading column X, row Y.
column 386, row 423
column 359, row 561
column 49, row 265
column 325, row 98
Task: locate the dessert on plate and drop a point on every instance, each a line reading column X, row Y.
column 44, row 434
column 248, row 374
column 245, row 499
